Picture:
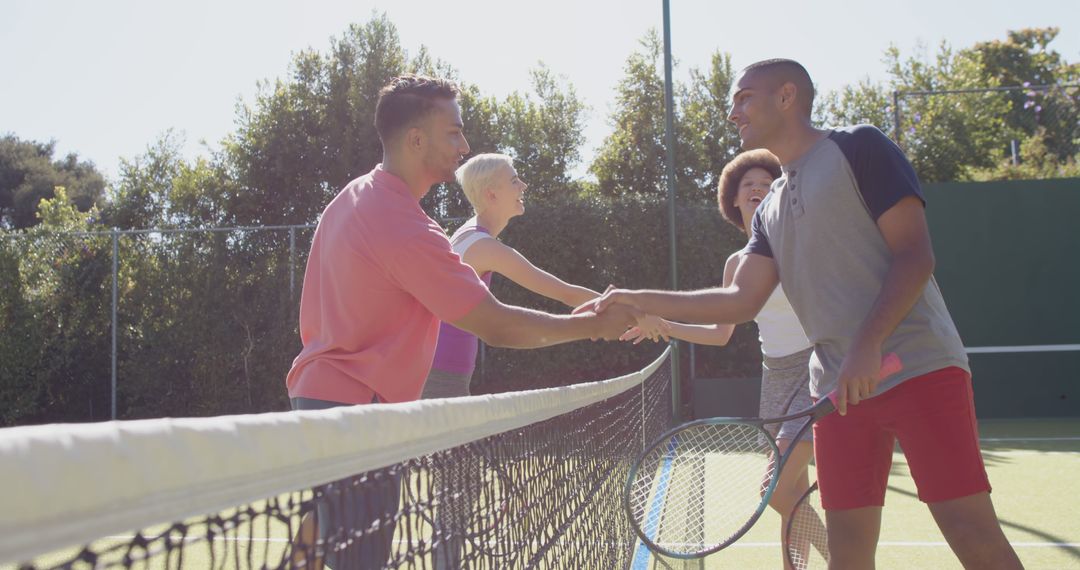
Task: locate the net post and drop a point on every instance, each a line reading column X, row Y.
column 641, row 388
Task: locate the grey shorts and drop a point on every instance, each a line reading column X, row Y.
column 444, row 384
column 785, row 389
column 353, row 504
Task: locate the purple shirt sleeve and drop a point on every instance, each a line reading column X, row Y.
column 882, row 172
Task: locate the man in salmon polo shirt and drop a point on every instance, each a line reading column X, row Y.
column 380, row 278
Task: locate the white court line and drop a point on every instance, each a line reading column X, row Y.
column 919, row 544
column 1027, row 452
column 1028, row 348
column 993, row 439
column 203, row 538
column 903, row 543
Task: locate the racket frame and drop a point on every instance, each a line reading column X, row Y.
column 890, row 365
column 813, row 489
column 819, row 410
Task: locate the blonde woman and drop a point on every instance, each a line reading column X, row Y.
column 497, row 195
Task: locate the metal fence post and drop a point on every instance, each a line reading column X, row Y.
column 483, row 362
column 669, row 142
column 115, row 287
column 693, row 366
column 896, row 117
column 292, row 264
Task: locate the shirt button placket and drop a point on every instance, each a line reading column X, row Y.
column 791, row 188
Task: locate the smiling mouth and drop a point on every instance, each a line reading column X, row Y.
column 756, row 200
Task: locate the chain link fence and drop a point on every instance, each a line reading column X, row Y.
column 1017, row 132
column 199, row 322
column 209, row 316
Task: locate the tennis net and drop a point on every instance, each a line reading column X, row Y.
column 520, row 480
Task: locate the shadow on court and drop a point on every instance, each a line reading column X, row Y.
column 1060, row 541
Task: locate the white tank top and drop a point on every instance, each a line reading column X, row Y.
column 779, row 329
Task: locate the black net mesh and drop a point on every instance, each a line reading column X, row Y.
column 547, row 495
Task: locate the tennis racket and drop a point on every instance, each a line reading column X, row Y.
column 806, row 544
column 702, row 485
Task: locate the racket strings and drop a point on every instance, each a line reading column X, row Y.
column 807, row 540
column 697, row 491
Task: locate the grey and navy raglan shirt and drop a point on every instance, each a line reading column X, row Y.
column 819, row 224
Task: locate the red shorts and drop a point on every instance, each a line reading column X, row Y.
column 933, row 418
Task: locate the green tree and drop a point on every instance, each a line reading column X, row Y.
column 162, row 189
column 954, row 121
column 542, row 130
column 56, row 336
column 544, row 134
column 708, row 139
column 21, row 339
column 140, row 197
column 1039, row 162
column 28, row 174
column 631, row 160
column 863, row 103
column 945, row 134
column 306, row 136
column 1025, row 58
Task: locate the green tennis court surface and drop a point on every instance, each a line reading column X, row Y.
column 1032, row 466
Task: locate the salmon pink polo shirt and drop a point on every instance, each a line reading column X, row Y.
column 380, row 277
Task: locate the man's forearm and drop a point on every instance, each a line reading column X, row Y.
column 710, row 335
column 526, row 328
column 707, row 306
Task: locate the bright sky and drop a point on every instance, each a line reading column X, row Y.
column 106, row 78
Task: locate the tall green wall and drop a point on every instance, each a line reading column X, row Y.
column 1008, row 263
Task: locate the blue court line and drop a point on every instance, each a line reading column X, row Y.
column 641, row 556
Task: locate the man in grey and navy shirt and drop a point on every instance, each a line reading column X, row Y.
column 844, row 230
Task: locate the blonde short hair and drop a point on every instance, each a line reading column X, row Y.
column 478, row 173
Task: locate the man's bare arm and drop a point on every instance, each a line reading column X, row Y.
column 508, row 326
column 755, row 279
column 908, row 238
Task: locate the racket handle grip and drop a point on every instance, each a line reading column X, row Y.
column 890, row 364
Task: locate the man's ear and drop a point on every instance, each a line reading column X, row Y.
column 788, row 93
column 414, row 138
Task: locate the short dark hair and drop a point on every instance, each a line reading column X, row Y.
column 408, row 98
column 788, row 70
column 733, row 174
